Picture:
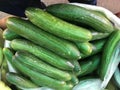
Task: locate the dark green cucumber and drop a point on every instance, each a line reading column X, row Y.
column 1, row 56
column 66, row 87
column 33, row 33
column 77, row 67
column 57, row 26
column 110, row 57
column 90, row 65
column 20, row 81
column 85, row 48
column 1, row 39
column 10, row 35
column 81, row 15
column 33, row 62
column 98, row 35
column 41, row 79
column 74, row 80
column 41, row 53
column 8, row 53
column 97, row 47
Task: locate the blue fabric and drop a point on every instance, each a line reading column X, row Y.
column 17, row 7
column 92, row 2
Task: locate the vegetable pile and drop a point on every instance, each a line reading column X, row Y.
column 64, row 47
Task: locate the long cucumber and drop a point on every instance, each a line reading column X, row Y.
column 57, row 26
column 41, row 53
column 110, row 57
column 33, row 33
column 81, row 15
column 90, row 65
column 20, row 81
column 1, row 56
column 10, row 35
column 42, row 80
column 33, row 62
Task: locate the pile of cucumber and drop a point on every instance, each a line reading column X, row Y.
column 64, row 47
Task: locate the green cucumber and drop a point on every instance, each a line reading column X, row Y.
column 1, row 56
column 33, row 62
column 8, row 53
column 66, row 87
column 85, row 48
column 57, row 26
column 41, row 79
column 41, row 53
column 74, row 80
column 81, row 15
column 33, row 33
column 1, row 39
column 110, row 57
column 10, row 35
column 97, row 47
column 90, row 65
column 20, row 81
column 98, row 35
column 77, row 67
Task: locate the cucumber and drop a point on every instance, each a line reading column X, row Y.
column 41, row 53
column 97, row 47
column 41, row 79
column 10, row 35
column 8, row 53
column 1, row 56
column 33, row 33
column 74, row 80
column 98, row 35
column 66, row 87
column 85, row 48
column 81, row 15
column 33, row 62
column 77, row 67
column 20, row 81
column 89, row 65
column 57, row 26
column 1, row 39
column 110, row 57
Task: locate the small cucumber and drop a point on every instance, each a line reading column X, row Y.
column 20, row 81
column 81, row 15
column 85, row 48
column 41, row 53
column 8, row 53
column 1, row 39
column 33, row 33
column 77, row 67
column 57, row 26
column 1, row 56
column 10, row 35
column 97, row 47
column 41, row 79
column 33, row 62
column 90, row 65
